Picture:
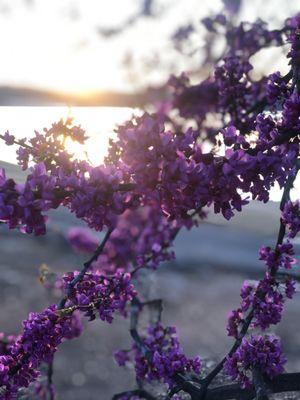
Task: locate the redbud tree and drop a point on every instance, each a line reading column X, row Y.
column 158, row 178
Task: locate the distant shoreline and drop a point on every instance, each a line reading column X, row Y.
column 23, row 96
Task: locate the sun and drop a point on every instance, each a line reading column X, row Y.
column 98, row 122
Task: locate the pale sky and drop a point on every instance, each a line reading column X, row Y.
column 54, row 44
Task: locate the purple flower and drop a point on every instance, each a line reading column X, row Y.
column 8, row 138
column 266, row 297
column 282, row 257
column 42, row 334
column 82, row 240
column 163, row 358
column 99, row 293
column 121, row 357
column 291, row 217
column 141, row 237
column 262, row 352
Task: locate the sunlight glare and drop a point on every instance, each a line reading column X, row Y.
column 99, row 123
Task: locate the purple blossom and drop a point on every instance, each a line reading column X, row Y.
column 141, row 237
column 42, row 334
column 281, row 257
column 266, row 297
column 121, row 357
column 290, row 288
column 261, row 352
column 164, row 356
column 193, row 101
column 22, row 205
column 235, row 318
column 82, row 240
column 293, row 25
column 291, row 217
column 100, row 294
column 8, row 138
column 48, row 147
column 276, row 88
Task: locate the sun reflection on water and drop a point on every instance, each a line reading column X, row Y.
column 99, row 123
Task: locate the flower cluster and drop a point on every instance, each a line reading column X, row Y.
column 47, row 147
column 291, row 217
column 42, row 334
column 92, row 195
column 96, row 293
column 160, row 357
column 141, row 237
column 82, row 240
column 193, row 101
column 96, row 197
column 247, row 38
column 257, row 352
column 234, row 90
column 281, row 257
column 265, row 299
column 276, row 88
column 21, row 205
column 293, row 25
column 184, row 178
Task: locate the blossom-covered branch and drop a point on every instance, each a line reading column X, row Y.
column 157, row 178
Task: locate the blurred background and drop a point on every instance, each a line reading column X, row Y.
column 101, row 61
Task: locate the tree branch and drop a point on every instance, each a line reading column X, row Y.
column 137, row 392
column 86, row 266
column 260, row 386
column 282, row 383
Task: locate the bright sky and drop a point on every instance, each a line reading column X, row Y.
column 54, row 44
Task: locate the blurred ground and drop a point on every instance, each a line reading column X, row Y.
column 198, row 291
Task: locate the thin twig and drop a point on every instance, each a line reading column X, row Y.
column 85, row 268
column 50, row 380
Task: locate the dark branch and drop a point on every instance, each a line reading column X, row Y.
column 86, row 266
column 137, row 392
column 260, row 385
column 282, row 383
column 50, row 380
